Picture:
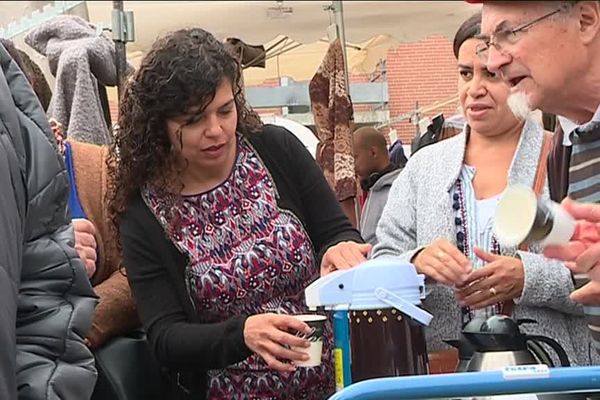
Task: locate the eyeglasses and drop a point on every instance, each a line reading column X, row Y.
column 503, row 38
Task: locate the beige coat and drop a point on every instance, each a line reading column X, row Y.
column 115, row 313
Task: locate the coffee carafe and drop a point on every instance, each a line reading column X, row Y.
column 497, row 342
column 386, row 342
column 378, row 325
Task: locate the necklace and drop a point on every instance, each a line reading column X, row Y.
column 463, row 243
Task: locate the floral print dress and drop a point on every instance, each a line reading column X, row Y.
column 248, row 256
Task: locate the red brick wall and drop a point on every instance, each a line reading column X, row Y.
column 424, row 71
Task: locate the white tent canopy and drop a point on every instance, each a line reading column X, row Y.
column 372, row 27
column 261, row 21
column 304, row 21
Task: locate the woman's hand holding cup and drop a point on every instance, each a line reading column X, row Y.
column 268, row 335
column 443, row 262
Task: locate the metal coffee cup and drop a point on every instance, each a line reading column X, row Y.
column 522, row 218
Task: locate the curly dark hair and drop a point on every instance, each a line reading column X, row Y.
column 182, row 70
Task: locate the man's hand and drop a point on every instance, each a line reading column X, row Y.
column 85, row 244
column 582, row 253
column 589, row 294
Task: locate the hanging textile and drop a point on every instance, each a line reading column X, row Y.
column 332, row 111
column 83, row 62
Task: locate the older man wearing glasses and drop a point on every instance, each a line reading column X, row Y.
column 549, row 53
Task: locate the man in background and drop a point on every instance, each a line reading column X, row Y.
column 376, row 173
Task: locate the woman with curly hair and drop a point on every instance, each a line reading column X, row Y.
column 223, row 223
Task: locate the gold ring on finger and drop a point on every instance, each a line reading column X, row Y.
column 493, row 291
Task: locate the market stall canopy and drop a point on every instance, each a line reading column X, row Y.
column 260, row 22
column 372, row 27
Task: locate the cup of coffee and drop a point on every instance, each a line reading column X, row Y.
column 522, row 218
column 315, row 337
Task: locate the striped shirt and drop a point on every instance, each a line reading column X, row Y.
column 584, row 167
column 584, row 186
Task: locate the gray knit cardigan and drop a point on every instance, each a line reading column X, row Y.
column 419, row 211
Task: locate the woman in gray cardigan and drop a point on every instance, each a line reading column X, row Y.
column 440, row 211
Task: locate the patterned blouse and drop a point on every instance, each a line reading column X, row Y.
column 248, row 256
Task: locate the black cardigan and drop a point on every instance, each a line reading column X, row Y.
column 155, row 268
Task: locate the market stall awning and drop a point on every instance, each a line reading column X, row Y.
column 372, row 27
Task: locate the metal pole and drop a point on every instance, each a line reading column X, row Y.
column 418, row 119
column 120, row 54
column 338, row 12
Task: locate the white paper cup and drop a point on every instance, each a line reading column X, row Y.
column 522, row 218
column 315, row 337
